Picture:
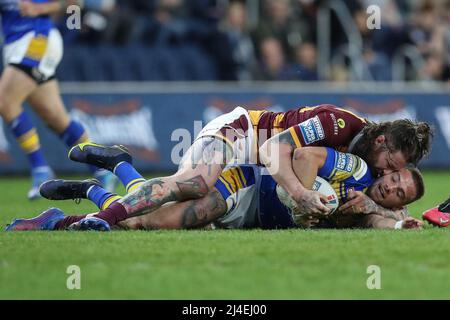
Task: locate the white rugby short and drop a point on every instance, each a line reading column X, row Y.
column 15, row 52
column 243, row 147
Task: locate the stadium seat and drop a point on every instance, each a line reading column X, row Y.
column 170, row 64
column 69, row 68
column 89, row 63
column 136, row 63
column 198, row 64
column 145, row 65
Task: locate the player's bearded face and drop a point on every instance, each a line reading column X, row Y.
column 384, row 161
column 393, row 190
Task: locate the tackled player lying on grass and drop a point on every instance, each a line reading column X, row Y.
column 246, row 197
column 269, row 139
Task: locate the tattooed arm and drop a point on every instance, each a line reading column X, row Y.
column 155, row 192
column 365, row 205
column 200, row 213
column 378, row 222
column 181, row 215
column 277, row 154
column 198, row 172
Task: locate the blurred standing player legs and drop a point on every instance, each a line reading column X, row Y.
column 33, row 49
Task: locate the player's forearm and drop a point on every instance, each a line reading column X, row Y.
column 276, row 154
column 306, row 163
column 368, row 206
column 388, row 213
column 378, row 222
column 305, row 167
column 277, row 157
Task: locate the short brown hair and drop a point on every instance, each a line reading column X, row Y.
column 413, row 139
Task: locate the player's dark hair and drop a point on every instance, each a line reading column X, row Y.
column 413, row 139
column 418, row 182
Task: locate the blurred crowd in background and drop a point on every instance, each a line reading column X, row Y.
column 265, row 39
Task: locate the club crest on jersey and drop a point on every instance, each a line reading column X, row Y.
column 345, row 162
column 312, row 130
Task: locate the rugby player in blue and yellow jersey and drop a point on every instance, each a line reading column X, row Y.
column 244, row 197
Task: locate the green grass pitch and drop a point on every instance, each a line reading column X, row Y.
column 295, row 264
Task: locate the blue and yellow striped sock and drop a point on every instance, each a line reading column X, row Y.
column 28, row 139
column 72, row 134
column 102, row 198
column 75, row 134
column 128, row 175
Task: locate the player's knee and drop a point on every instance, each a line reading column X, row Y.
column 8, row 110
column 5, row 105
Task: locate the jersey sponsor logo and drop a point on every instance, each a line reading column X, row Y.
column 312, row 130
column 335, row 124
column 341, row 123
column 345, row 162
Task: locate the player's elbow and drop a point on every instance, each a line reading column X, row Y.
column 303, row 154
column 315, row 154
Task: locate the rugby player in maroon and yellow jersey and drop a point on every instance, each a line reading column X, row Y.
column 268, row 138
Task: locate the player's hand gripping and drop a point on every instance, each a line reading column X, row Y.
column 358, row 202
column 312, row 203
